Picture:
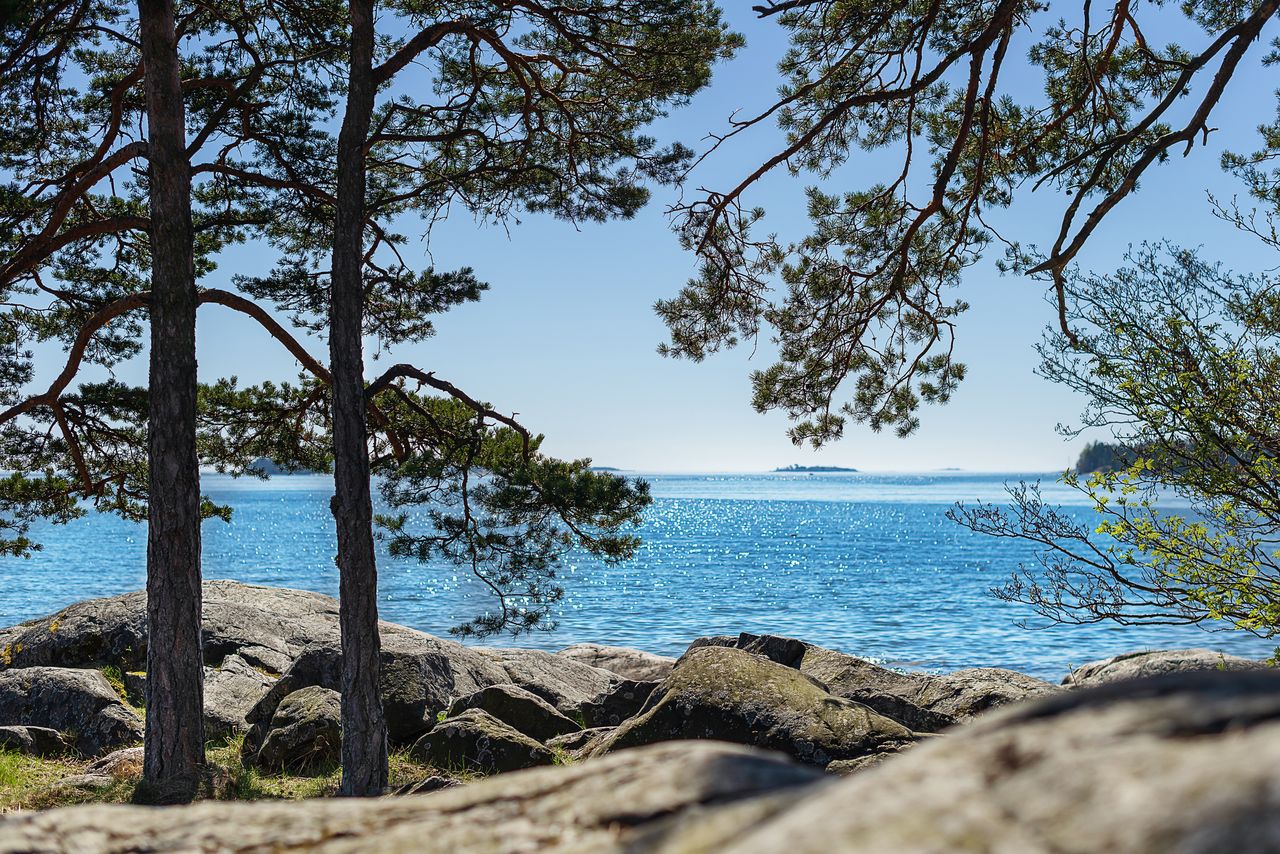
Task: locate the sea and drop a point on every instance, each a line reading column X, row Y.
column 865, row 563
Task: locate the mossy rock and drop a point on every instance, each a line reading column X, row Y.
column 521, row 709
column 727, row 694
column 477, row 741
column 305, row 733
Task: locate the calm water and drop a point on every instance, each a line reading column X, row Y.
column 864, row 563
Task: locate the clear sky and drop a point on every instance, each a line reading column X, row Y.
column 566, row 336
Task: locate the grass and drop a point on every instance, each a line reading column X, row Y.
column 30, row 782
column 115, row 676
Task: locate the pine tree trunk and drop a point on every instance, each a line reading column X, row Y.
column 364, row 730
column 174, row 751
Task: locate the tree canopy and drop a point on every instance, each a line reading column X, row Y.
column 1180, row 359
column 866, row 317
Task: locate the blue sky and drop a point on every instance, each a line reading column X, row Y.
column 566, row 337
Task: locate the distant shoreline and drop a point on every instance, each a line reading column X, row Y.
column 797, row 469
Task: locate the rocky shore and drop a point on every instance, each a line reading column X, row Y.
column 746, row 743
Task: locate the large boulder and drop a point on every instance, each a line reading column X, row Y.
column 890, row 692
column 624, row 700
column 621, row 803
column 305, row 732
column 231, row 690
column 421, row 676
column 730, row 695
column 628, row 663
column 964, row 694
column 80, row 703
column 266, row 626
column 1135, row 665
column 567, row 684
column 477, row 741
column 1183, row 763
column 516, row 707
column 34, row 740
column 924, row 702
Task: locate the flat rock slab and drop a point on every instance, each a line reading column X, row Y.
column 611, row 805
column 628, row 663
column 1135, row 665
column 266, row 626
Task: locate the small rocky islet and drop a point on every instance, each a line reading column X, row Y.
column 745, row 743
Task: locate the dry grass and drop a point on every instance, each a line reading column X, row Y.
column 33, row 783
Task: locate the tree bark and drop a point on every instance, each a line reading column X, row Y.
column 174, row 749
column 364, row 729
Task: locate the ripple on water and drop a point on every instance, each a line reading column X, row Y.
column 862, row 563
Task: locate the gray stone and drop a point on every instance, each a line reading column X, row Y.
column 265, row 626
column 628, row 663
column 231, row 690
column 611, row 805
column 421, row 676
column 434, row 783
column 890, row 692
column 1183, row 763
column 135, row 686
column 305, row 732
column 964, row 694
column 33, row 740
column 477, row 741
column 923, row 702
column 79, row 703
column 623, row 701
column 575, row 742
column 125, row 764
column 1134, row 665
column 731, row 695
column 563, row 682
column 846, row 767
column 86, row 782
column 527, row 712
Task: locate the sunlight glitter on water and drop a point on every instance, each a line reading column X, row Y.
column 864, row 563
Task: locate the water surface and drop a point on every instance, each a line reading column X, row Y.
column 864, row 563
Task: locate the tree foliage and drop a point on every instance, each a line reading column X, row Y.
column 1181, row 360
column 865, row 321
column 497, row 109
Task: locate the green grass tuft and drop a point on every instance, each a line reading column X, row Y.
column 31, row 782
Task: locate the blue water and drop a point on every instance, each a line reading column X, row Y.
column 864, row 563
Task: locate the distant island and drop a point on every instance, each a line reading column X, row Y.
column 812, row 469
column 604, row 468
column 1103, row 457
